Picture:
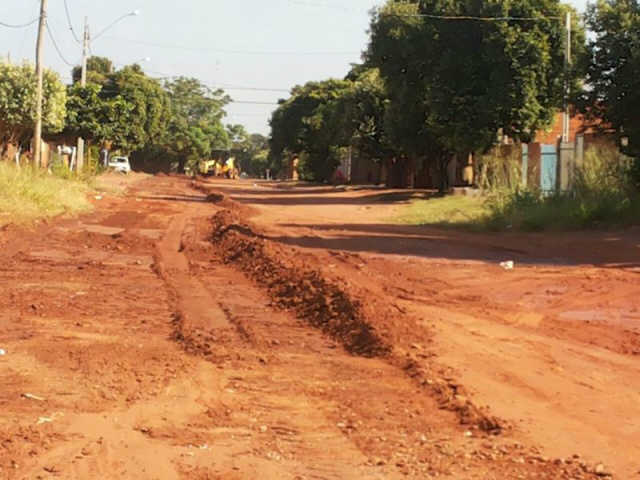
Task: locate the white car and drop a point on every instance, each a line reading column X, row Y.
column 120, row 164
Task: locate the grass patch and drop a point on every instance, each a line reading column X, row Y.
column 451, row 211
column 603, row 195
column 27, row 195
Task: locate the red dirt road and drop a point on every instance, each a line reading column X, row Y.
column 313, row 341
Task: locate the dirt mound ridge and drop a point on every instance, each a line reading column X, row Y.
column 365, row 325
column 329, row 304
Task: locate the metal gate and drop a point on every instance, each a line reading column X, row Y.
column 549, row 168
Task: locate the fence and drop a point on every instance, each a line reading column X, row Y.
column 552, row 167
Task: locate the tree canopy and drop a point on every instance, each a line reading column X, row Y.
column 439, row 78
column 465, row 80
column 124, row 106
column 614, row 67
column 18, row 102
column 312, row 124
column 195, row 128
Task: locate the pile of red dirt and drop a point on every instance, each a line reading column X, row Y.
column 365, row 325
column 329, row 304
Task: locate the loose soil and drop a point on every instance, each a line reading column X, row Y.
column 226, row 331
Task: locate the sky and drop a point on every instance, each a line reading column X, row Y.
column 240, row 45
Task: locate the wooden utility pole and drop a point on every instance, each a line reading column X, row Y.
column 566, row 120
column 83, row 83
column 37, row 134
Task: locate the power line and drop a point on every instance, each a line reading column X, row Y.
column 24, row 25
column 234, row 52
column 324, row 5
column 73, row 32
column 223, row 85
column 432, row 16
column 470, row 17
column 245, row 102
column 26, row 33
column 53, row 40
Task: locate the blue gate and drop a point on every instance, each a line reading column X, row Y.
column 548, row 168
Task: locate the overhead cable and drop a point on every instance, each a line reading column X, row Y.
column 235, row 52
column 228, row 86
column 432, row 16
column 73, row 32
column 62, row 57
column 24, row 25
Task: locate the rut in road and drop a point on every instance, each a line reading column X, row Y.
column 155, row 360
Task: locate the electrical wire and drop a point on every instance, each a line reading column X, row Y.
column 470, row 18
column 53, row 40
column 433, row 16
column 73, row 32
column 324, row 5
column 24, row 25
column 235, row 52
column 36, row 4
column 227, row 86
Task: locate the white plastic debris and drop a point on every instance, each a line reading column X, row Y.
column 98, row 197
column 508, row 265
column 2, row 352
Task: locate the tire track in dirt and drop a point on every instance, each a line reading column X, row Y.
column 231, row 247
column 88, row 326
column 310, row 445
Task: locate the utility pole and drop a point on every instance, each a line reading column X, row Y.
column 37, row 134
column 83, row 83
column 566, row 120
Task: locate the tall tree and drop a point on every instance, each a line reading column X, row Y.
column 98, row 70
column 311, row 124
column 18, row 102
column 614, row 67
column 145, row 108
column 125, row 107
column 196, row 125
column 455, row 83
column 245, row 147
column 368, row 106
column 394, row 49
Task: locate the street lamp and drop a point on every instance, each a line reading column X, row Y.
column 135, row 13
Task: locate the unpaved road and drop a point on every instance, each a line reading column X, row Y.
column 138, row 347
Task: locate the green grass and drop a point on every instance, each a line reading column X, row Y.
column 604, row 194
column 27, row 195
column 451, row 211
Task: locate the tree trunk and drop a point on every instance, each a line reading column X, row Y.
column 443, row 177
column 182, row 162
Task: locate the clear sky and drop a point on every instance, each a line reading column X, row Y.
column 266, row 44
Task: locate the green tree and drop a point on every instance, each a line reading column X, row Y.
column 454, row 84
column 368, row 106
column 196, row 125
column 614, row 67
column 98, row 70
column 125, row 107
column 91, row 115
column 312, row 124
column 18, row 102
column 259, row 163
column 143, row 108
column 395, row 45
column 245, row 146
